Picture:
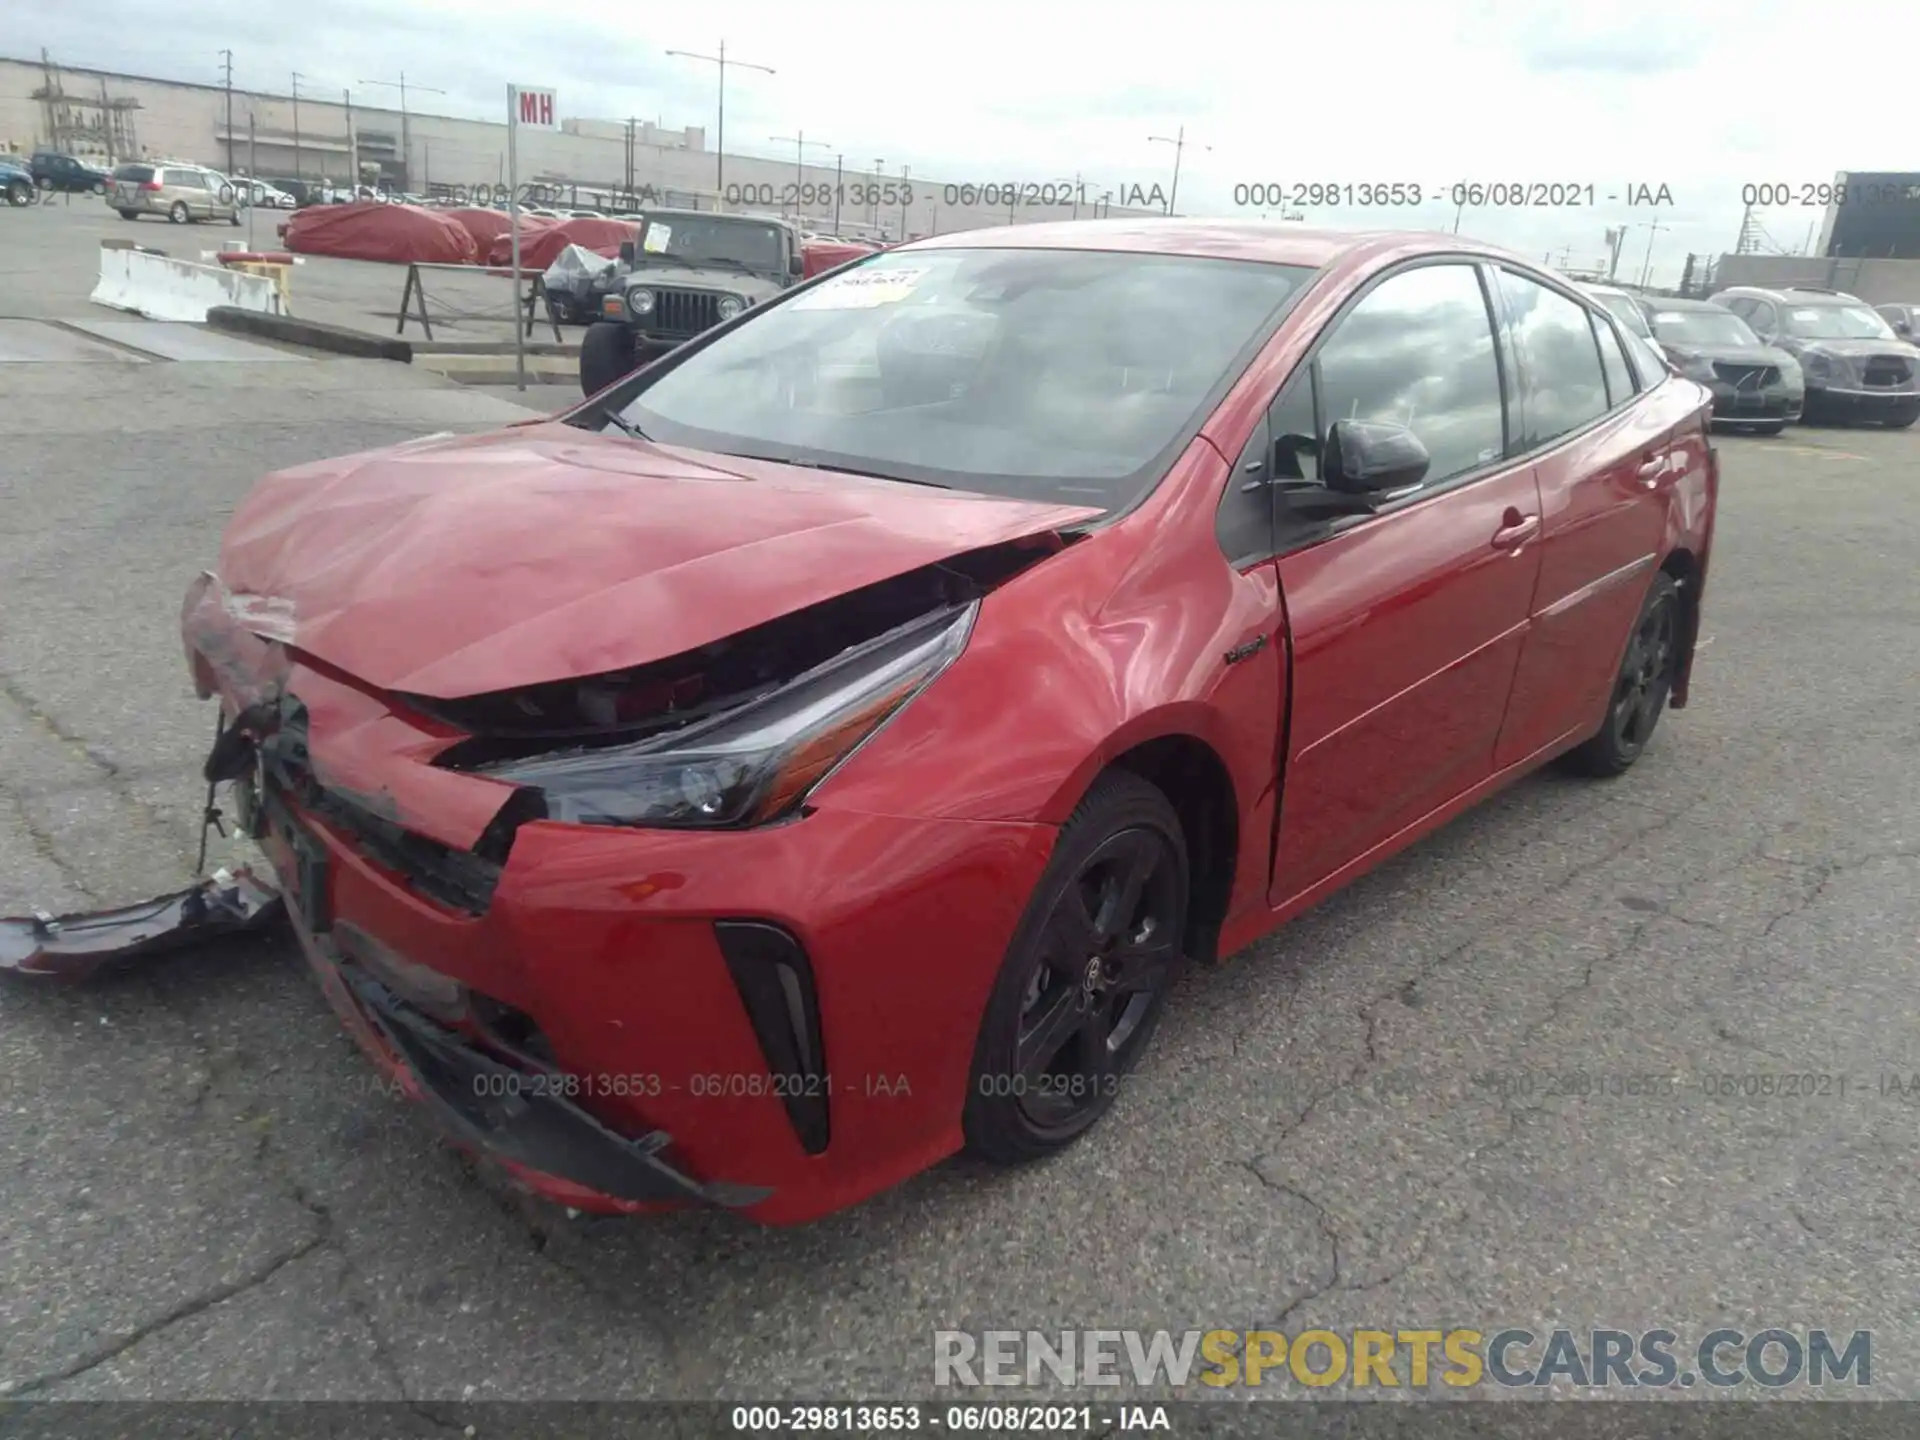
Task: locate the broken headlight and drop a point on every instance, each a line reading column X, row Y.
column 755, row 763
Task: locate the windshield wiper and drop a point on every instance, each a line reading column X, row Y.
column 623, row 425
column 838, row 469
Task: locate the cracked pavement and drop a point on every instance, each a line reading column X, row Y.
column 1478, row 1088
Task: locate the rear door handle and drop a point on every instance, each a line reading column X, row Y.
column 1516, row 531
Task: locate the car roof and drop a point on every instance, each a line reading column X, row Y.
column 1674, row 302
column 1274, row 242
column 1796, row 294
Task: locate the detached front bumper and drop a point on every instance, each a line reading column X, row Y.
column 639, row 1062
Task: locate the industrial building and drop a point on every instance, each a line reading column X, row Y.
column 109, row 118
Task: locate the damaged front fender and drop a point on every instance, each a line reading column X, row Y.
column 74, row 946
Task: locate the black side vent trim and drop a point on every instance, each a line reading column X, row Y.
column 775, row 981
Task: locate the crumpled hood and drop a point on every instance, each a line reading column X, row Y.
column 1732, row 354
column 457, row 566
column 1860, row 349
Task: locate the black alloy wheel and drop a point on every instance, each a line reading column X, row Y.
column 1084, row 981
column 1640, row 688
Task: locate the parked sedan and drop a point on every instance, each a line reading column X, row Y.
column 1755, row 386
column 901, row 682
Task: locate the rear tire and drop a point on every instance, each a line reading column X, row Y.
column 179, row 214
column 606, row 354
column 1641, row 685
column 1772, row 427
column 129, row 214
column 1084, row 981
column 235, row 217
column 99, row 187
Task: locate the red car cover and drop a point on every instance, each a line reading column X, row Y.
column 485, row 226
column 603, row 237
column 370, row 230
column 818, row 256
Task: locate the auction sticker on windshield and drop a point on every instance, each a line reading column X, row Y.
column 658, row 236
column 862, row 290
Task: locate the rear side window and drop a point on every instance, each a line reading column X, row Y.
column 1613, row 360
column 187, row 179
column 140, row 173
column 1563, row 385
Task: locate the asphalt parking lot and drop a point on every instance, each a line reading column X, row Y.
column 1375, row 1118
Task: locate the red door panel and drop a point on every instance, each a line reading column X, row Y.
column 1405, row 632
column 1603, row 503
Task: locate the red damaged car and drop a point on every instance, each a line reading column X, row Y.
column 818, row 752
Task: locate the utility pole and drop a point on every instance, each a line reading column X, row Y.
column 1179, row 143
column 296, row 125
column 720, row 129
column 353, row 147
column 906, row 192
column 1654, row 227
column 630, row 154
column 1615, row 239
column 879, row 169
column 839, row 169
column 1076, row 194
column 800, row 143
column 227, row 55
column 406, row 142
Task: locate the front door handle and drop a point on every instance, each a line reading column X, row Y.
column 1515, row 530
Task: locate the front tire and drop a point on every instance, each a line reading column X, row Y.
column 19, row 192
column 1084, row 981
column 99, row 187
column 129, row 214
column 606, row 353
column 1902, row 422
column 1640, row 686
column 1771, row 427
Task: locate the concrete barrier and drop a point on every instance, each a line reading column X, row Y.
column 152, row 284
column 310, row 333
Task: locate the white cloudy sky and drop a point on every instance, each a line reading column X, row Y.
column 1699, row 95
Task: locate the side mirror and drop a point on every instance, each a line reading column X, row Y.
column 1366, row 457
column 796, row 265
column 626, row 252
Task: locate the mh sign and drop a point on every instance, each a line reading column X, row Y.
column 535, row 109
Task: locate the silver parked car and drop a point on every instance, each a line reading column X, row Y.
column 179, row 192
column 1857, row 367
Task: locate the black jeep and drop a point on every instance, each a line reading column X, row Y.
column 687, row 271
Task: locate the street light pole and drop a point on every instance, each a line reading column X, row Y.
column 800, row 143
column 720, row 129
column 406, row 141
column 1179, row 143
column 228, row 55
column 296, row 125
column 879, row 169
column 839, row 170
